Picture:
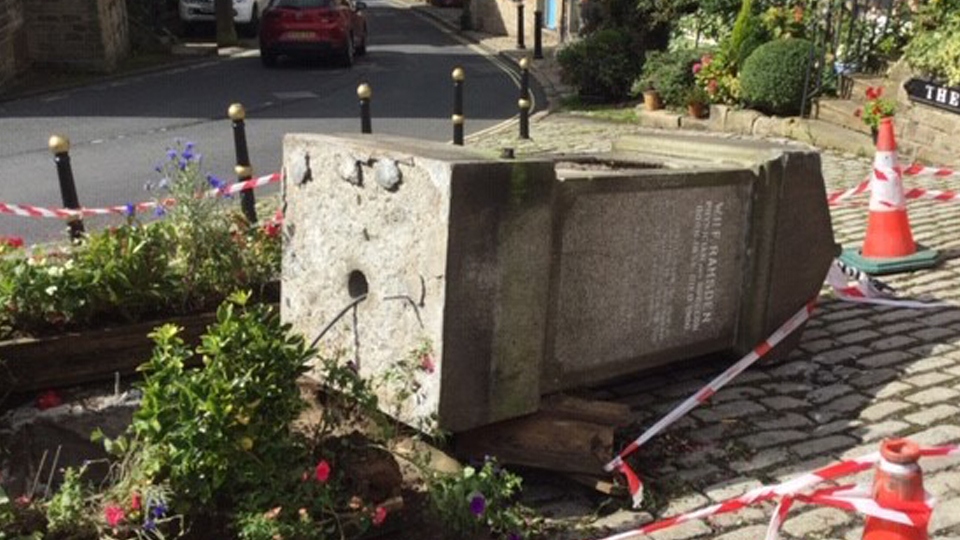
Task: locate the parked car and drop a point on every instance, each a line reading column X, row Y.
column 246, row 13
column 311, row 28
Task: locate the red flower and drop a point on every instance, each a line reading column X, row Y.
column 379, row 516
column 322, row 472
column 272, row 229
column 797, row 14
column 874, row 92
column 113, row 514
column 11, row 241
column 48, row 400
column 135, row 501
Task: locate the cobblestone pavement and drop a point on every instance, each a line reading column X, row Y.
column 861, row 373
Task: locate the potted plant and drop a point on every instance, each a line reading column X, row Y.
column 697, row 102
column 875, row 108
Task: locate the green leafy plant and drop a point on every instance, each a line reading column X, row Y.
column 876, row 107
column 187, row 261
column 482, row 499
column 718, row 78
column 68, row 512
column 602, row 65
column 784, row 21
column 748, row 33
column 935, row 50
column 773, row 77
column 670, row 73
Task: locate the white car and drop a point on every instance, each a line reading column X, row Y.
column 245, row 13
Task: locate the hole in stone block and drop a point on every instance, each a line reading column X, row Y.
column 357, row 284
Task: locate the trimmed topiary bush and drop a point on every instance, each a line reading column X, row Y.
column 602, row 65
column 773, row 76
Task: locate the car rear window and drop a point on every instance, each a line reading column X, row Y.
column 303, row 3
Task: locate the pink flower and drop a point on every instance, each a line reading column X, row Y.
column 322, row 472
column 379, row 516
column 712, row 86
column 426, row 363
column 113, row 514
column 48, row 400
column 706, row 60
column 697, row 67
column 135, row 501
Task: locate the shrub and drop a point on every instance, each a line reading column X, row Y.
column 748, row 34
column 602, row 65
column 935, row 50
column 670, row 73
column 773, row 77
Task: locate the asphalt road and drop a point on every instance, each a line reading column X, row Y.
column 120, row 129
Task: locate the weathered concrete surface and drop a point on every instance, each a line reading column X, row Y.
column 451, row 248
column 704, row 246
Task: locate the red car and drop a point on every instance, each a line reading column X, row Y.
column 312, row 27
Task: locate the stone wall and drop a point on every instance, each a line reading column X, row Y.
column 88, row 35
column 13, row 44
column 924, row 131
column 499, row 17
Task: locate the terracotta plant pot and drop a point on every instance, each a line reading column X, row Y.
column 651, row 100
column 697, row 110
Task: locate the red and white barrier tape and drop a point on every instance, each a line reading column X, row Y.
column 866, row 290
column 913, row 514
column 703, row 395
column 26, row 210
column 919, row 170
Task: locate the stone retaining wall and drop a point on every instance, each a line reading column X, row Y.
column 13, row 45
column 927, row 132
column 79, row 34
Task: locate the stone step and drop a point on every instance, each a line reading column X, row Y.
column 841, row 112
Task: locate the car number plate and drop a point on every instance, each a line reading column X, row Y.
column 298, row 36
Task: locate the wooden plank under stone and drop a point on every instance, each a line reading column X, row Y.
column 33, row 364
column 567, row 435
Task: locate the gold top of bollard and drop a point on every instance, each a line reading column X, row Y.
column 524, row 62
column 364, row 91
column 59, row 144
column 243, row 171
column 237, row 112
column 457, row 74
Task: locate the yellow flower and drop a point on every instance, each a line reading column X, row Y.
column 246, row 443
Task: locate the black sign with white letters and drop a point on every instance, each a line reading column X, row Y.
column 930, row 93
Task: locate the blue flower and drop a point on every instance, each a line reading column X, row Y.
column 158, row 167
column 171, row 154
column 157, row 509
column 215, row 182
column 160, row 211
column 149, row 525
column 130, row 210
column 188, row 152
column 478, row 504
column 183, row 164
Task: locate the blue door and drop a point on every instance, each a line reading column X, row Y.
column 552, row 14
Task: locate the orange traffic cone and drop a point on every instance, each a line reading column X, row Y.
column 889, row 246
column 888, row 228
column 898, row 482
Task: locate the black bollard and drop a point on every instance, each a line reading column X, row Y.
column 60, row 146
column 364, row 92
column 248, row 201
column 458, row 106
column 524, row 102
column 538, row 34
column 520, row 44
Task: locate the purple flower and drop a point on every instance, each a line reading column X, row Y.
column 158, row 509
column 160, row 211
column 183, row 164
column 171, row 154
column 149, row 525
column 188, row 152
column 158, row 168
column 478, row 504
column 514, row 536
column 215, row 182
column 130, row 210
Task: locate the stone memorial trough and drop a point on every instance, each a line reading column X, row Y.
column 472, row 286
